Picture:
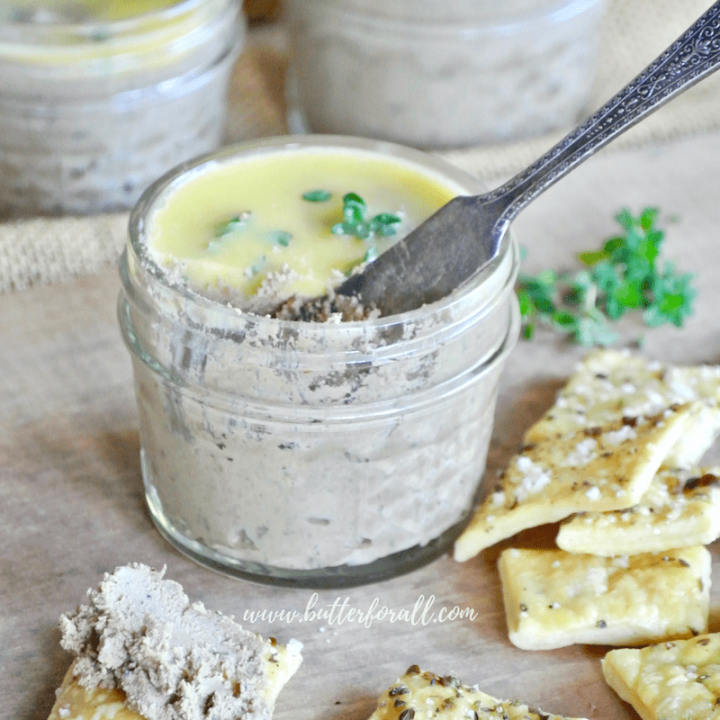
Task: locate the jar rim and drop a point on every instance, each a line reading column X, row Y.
column 169, row 34
column 437, row 18
column 470, row 294
column 164, row 8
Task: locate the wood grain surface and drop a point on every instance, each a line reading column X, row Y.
column 72, row 505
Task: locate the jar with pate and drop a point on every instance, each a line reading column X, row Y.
column 441, row 74
column 292, row 452
column 97, row 100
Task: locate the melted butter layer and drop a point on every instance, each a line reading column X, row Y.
column 63, row 11
column 282, row 239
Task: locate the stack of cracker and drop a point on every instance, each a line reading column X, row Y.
column 615, row 459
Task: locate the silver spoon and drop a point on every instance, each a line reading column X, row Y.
column 465, row 235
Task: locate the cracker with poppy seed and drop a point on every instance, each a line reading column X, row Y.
column 596, row 469
column 554, row 599
column 679, row 508
column 144, row 652
column 669, row 681
column 423, row 695
column 609, row 384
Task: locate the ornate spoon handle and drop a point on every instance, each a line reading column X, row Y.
column 466, row 234
column 692, row 57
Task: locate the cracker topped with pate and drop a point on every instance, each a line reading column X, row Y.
column 144, row 652
column 601, row 468
column 423, row 695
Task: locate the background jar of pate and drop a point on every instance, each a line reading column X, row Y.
column 444, row 73
column 98, row 100
column 316, row 454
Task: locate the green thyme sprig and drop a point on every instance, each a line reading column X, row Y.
column 227, row 231
column 356, row 223
column 622, row 276
column 233, row 224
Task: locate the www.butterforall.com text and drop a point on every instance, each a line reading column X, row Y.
column 340, row 612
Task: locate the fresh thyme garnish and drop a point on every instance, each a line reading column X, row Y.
column 257, row 267
column 317, row 196
column 280, row 237
column 225, row 230
column 356, row 223
column 622, row 276
column 233, row 224
column 371, row 254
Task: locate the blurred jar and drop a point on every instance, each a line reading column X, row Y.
column 435, row 73
column 99, row 99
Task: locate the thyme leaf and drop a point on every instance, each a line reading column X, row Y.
column 280, row 237
column 371, row 254
column 317, row 196
column 233, row 224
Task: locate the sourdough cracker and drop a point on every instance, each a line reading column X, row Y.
column 679, row 508
column 609, row 384
column 75, row 702
column 422, row 695
column 597, row 469
column 677, row 680
column 554, row 599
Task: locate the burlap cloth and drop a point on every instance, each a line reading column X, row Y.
column 38, row 251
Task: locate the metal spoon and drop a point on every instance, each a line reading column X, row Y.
column 465, row 235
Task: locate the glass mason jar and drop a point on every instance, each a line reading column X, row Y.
column 97, row 100
column 441, row 74
column 304, row 453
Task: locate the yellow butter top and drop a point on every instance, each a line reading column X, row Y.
column 249, row 227
column 89, row 38
column 73, row 11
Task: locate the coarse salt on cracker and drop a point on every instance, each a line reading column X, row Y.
column 554, row 599
column 608, row 384
column 679, row 508
column 601, row 468
column 677, row 680
column 422, row 695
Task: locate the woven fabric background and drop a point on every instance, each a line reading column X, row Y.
column 39, row 250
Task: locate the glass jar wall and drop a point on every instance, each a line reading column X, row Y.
column 319, row 454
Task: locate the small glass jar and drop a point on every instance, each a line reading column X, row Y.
column 97, row 100
column 441, row 74
column 304, row 453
